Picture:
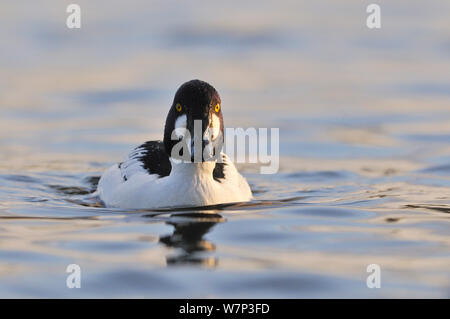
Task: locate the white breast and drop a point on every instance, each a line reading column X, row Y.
column 188, row 185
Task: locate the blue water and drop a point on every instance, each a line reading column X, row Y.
column 364, row 120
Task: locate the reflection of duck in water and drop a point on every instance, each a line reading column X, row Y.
column 188, row 236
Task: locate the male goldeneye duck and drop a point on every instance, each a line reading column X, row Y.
column 187, row 168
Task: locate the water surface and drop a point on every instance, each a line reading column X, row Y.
column 364, row 119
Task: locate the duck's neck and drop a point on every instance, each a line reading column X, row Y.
column 193, row 169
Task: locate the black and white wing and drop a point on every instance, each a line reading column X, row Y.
column 149, row 158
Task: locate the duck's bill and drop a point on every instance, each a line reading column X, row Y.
column 205, row 149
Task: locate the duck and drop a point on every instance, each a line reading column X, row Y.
column 187, row 168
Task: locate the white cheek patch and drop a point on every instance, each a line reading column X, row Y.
column 215, row 126
column 180, row 126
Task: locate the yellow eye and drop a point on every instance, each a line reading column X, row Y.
column 217, row 108
column 178, row 107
